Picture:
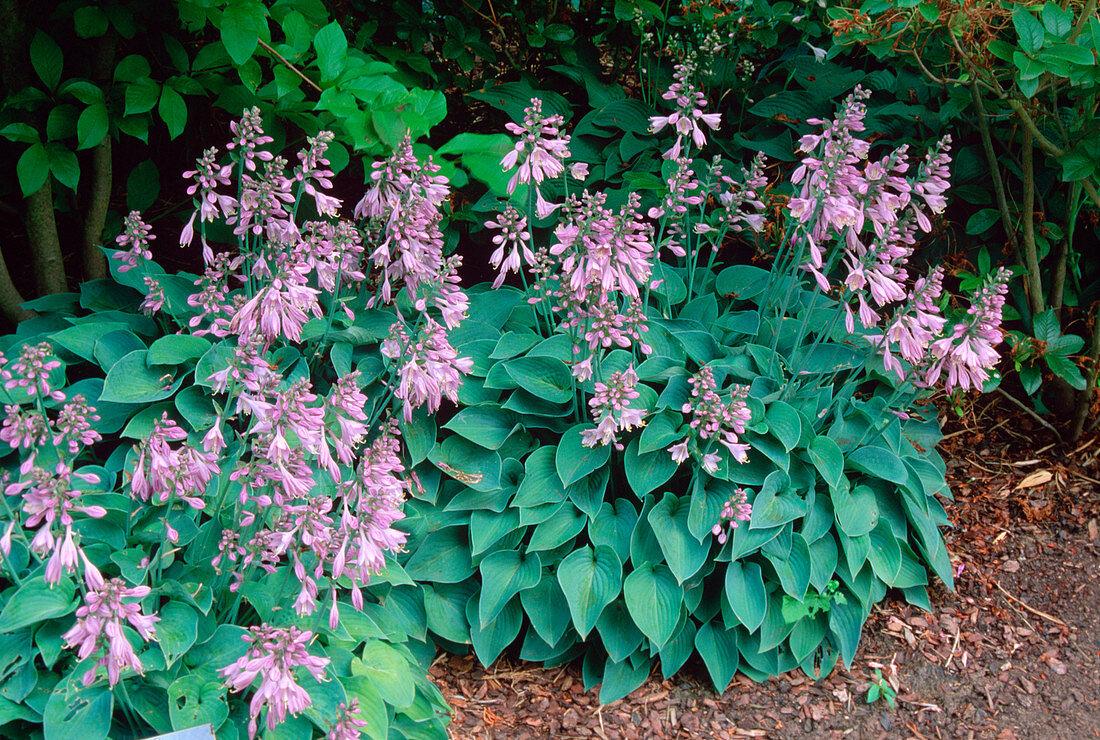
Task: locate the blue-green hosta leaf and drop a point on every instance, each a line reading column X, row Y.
column 590, row 580
column 73, row 710
column 442, row 557
column 823, row 561
column 445, row 609
column 176, row 630
column 654, row 598
column 619, row 679
column 828, row 459
column 613, row 525
column 746, row 594
column 503, row 575
column 618, row 633
column 684, row 553
column 540, row 484
column 857, row 511
column 488, row 427
column 885, row 553
column 566, row 524
column 678, row 649
column 468, row 463
column 588, row 493
column 547, row 609
column 176, row 349
column 574, row 460
column 718, row 648
column 776, row 504
column 489, row 640
column 647, row 471
column 36, row 601
column 131, row 380
column 545, row 377
column 784, row 424
column 660, row 432
column 389, row 670
column 879, row 462
column 806, row 636
column 196, row 699
column 794, row 570
column 846, row 624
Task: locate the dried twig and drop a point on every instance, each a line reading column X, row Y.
column 1031, row 413
column 1031, row 609
column 288, row 65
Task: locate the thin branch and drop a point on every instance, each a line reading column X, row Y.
column 1086, row 13
column 288, row 65
column 994, row 169
column 1031, row 609
column 1084, row 405
column 1030, row 412
column 1031, row 252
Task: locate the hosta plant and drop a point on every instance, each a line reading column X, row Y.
column 204, row 474
column 658, row 455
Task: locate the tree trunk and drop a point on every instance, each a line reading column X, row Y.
column 49, row 266
column 11, row 299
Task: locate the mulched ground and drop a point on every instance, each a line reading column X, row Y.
column 1015, row 653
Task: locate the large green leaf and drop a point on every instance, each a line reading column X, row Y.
column 590, row 580
column 75, row 711
column 613, row 526
column 776, row 503
column 175, row 349
column 856, row 511
column 574, row 460
column 390, row 672
column 540, row 484
column 547, row 609
column 195, row 699
column 653, row 598
column 879, row 462
column 176, row 630
column 784, row 424
column 36, row 601
column 504, row 574
column 131, row 380
column 468, row 463
column 646, row 471
column 545, row 377
column 828, row 459
column 442, row 557
column 488, row 427
column 718, row 648
column 566, row 524
column 745, row 593
column 794, row 570
column 490, row 639
column 885, row 553
column 684, row 554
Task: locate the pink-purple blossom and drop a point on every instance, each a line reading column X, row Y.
column 109, row 605
column 273, row 656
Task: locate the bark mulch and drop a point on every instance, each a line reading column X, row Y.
column 1014, row 653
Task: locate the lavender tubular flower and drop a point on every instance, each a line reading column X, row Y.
column 965, row 356
column 136, row 236
column 690, row 104
column 274, row 655
column 99, row 625
column 611, row 410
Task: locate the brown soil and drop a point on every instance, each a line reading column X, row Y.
column 1014, row 653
